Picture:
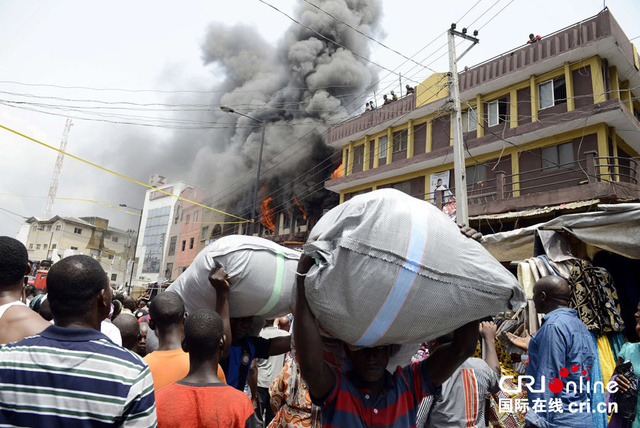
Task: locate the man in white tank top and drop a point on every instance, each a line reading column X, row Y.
column 17, row 321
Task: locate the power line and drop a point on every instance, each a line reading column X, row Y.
column 326, row 38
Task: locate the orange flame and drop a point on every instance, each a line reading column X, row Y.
column 267, row 214
column 297, row 202
column 337, row 173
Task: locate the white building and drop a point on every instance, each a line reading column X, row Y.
column 58, row 237
column 157, row 213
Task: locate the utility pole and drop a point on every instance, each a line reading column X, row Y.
column 53, row 189
column 462, row 206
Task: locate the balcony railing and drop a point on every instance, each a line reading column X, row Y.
column 371, row 118
column 587, row 170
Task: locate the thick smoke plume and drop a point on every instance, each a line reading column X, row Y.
column 298, row 88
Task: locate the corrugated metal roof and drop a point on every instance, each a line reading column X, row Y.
column 537, row 211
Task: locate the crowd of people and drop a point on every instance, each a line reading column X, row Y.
column 76, row 354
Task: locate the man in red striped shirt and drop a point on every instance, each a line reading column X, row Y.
column 369, row 395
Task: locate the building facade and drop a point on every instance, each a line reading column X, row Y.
column 546, row 124
column 59, row 237
column 154, row 238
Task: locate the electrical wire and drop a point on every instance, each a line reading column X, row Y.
column 118, row 174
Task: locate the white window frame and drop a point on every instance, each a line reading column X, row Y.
column 550, row 84
column 490, row 106
column 382, row 153
column 470, row 120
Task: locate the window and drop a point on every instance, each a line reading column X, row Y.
column 168, row 271
column 358, row 155
column 74, row 248
column 58, row 227
column 31, row 246
column 403, row 186
column 172, row 245
column 175, row 219
column 382, row 154
column 184, row 245
column 556, row 156
column 470, row 120
column 40, row 227
column 191, row 243
column 497, row 112
column 49, row 228
column 44, row 246
column 38, row 246
column 204, row 233
column 476, row 174
column 114, row 276
column 552, row 92
column 188, row 217
column 155, row 230
column 114, row 239
column 54, row 246
column 195, row 216
column 400, row 140
column 110, row 256
column 77, row 231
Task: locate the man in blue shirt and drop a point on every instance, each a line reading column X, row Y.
column 561, row 351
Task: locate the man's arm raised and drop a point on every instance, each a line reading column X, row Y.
column 447, row 358
column 308, row 342
column 218, row 280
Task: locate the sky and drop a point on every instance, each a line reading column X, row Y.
column 151, row 52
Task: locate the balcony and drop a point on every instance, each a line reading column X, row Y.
column 369, row 119
column 591, row 177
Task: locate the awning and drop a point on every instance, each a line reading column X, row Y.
column 537, row 211
column 614, row 227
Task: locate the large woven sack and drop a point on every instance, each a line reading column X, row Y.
column 393, row 269
column 261, row 275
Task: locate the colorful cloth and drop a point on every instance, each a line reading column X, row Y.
column 616, row 341
column 595, row 298
column 186, row 405
column 291, row 402
column 351, row 407
column 74, row 377
column 597, row 395
column 513, row 418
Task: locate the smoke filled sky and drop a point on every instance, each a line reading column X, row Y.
column 179, row 61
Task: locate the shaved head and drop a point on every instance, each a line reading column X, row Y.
column 129, row 330
column 551, row 292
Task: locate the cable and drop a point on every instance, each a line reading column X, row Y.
column 369, row 37
column 118, row 174
column 327, row 38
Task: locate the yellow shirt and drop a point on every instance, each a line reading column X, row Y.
column 171, row 366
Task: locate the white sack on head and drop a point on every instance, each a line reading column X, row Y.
column 393, row 269
column 261, row 275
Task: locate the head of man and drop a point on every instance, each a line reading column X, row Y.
column 550, row 293
column 284, row 323
column 14, row 264
column 129, row 303
column 141, row 346
column 166, row 310
column 240, row 328
column 369, row 364
column 129, row 330
column 203, row 335
column 79, row 292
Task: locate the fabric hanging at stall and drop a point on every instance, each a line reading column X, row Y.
column 595, row 298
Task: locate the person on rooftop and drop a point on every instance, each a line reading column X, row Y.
column 533, row 39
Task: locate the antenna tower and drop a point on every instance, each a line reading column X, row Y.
column 53, row 189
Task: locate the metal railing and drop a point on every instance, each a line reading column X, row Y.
column 587, row 170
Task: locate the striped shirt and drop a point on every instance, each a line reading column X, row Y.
column 462, row 401
column 396, row 406
column 67, row 377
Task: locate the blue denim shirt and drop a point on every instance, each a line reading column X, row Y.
column 563, row 341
